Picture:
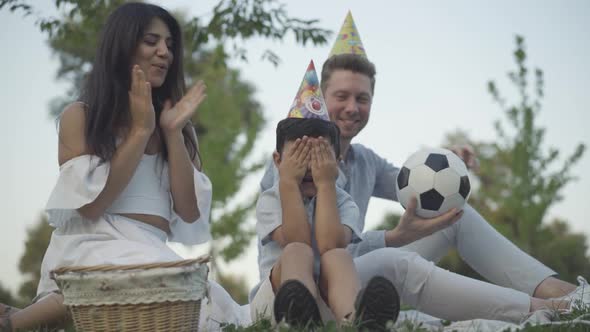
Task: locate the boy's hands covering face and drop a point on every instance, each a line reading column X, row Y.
column 324, row 167
column 295, row 160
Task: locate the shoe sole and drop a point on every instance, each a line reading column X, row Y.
column 377, row 304
column 296, row 306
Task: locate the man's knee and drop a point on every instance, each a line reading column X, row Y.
column 391, row 263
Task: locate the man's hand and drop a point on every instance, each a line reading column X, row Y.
column 324, row 168
column 467, row 154
column 295, row 160
column 411, row 227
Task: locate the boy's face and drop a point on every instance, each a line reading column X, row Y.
column 306, row 185
column 348, row 97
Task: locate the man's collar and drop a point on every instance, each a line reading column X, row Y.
column 349, row 154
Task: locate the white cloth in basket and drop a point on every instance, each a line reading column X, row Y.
column 137, row 286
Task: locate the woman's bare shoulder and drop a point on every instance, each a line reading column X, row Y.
column 72, row 136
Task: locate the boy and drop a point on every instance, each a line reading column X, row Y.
column 304, row 224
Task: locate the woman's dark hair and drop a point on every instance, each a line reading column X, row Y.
column 105, row 92
column 291, row 129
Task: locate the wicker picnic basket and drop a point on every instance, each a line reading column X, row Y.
column 143, row 297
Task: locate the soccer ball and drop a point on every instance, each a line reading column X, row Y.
column 439, row 180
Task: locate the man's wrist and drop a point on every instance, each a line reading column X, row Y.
column 394, row 238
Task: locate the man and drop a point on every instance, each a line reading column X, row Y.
column 348, row 82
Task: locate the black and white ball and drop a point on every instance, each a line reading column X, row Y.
column 439, row 180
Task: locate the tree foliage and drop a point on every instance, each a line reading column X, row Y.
column 30, row 263
column 236, row 286
column 390, row 221
column 231, row 20
column 7, row 298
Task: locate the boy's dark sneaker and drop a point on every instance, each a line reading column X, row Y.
column 296, row 306
column 376, row 305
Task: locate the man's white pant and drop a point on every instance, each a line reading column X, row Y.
column 486, row 251
column 448, row 295
column 439, row 292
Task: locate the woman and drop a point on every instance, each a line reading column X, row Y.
column 130, row 169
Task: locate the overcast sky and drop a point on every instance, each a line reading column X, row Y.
column 433, row 60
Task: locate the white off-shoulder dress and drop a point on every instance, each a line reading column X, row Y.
column 115, row 239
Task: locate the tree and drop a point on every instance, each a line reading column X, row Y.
column 390, row 221
column 232, row 21
column 522, row 178
column 38, row 237
column 562, row 250
column 236, row 286
column 7, row 298
column 519, row 180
